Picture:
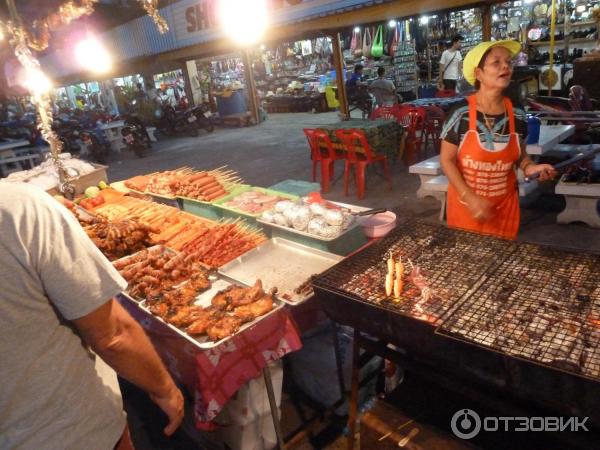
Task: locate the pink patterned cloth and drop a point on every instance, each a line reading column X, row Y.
column 214, row 375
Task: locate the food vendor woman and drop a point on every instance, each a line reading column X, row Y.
column 483, row 143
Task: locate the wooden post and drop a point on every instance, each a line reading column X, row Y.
column 338, row 63
column 251, row 86
column 486, row 22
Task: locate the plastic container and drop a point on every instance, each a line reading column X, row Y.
column 533, row 128
column 378, row 225
column 234, row 213
column 296, row 187
column 208, row 210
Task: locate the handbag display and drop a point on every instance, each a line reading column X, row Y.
column 355, row 44
column 377, row 47
column 394, row 41
column 367, row 42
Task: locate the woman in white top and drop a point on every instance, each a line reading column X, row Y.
column 451, row 65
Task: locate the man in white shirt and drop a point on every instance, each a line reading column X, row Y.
column 451, row 65
column 56, row 301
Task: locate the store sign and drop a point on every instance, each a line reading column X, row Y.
column 194, row 18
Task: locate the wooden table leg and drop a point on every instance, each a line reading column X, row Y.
column 353, row 407
column 274, row 409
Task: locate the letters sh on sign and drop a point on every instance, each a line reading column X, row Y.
column 196, row 17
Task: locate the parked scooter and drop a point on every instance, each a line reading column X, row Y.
column 135, row 136
column 96, row 145
column 205, row 117
column 171, row 122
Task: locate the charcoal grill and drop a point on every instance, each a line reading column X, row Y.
column 452, row 261
column 534, row 307
column 541, row 304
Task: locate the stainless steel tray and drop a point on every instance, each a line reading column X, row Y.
column 352, row 208
column 203, row 300
column 280, row 263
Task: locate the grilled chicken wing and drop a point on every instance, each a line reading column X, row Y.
column 223, row 328
column 247, row 313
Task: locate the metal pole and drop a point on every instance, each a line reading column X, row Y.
column 353, row 406
column 251, row 86
column 551, row 62
column 338, row 63
column 273, row 405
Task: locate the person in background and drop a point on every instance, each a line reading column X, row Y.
column 383, row 89
column 140, row 94
column 56, row 303
column 356, row 77
column 451, row 65
column 483, row 144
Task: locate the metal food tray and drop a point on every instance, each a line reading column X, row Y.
column 352, row 208
column 154, row 249
column 203, row 300
column 280, row 263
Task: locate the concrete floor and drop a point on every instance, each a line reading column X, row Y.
column 275, row 151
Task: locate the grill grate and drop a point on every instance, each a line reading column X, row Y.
column 541, row 304
column 451, row 261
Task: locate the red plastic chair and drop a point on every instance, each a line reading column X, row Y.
column 434, row 122
column 445, row 93
column 359, row 155
column 322, row 151
column 413, row 119
column 385, row 112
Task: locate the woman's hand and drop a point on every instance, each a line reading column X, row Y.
column 546, row 171
column 480, row 208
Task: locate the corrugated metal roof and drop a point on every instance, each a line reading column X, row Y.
column 140, row 37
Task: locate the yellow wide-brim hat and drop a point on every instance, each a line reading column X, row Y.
column 474, row 56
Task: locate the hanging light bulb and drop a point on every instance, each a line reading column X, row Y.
column 424, row 20
column 356, row 29
column 92, row 55
column 36, row 81
column 392, row 23
column 245, row 22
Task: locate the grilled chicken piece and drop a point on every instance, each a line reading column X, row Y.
column 233, row 296
column 159, row 309
column 223, row 328
column 185, row 316
column 204, row 320
column 247, row 313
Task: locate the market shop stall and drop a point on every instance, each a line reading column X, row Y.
column 515, row 319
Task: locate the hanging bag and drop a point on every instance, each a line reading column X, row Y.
column 394, row 41
column 355, row 44
column 377, row 47
column 367, row 42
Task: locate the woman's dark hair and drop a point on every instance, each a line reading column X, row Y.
column 481, row 64
column 381, row 71
column 358, row 68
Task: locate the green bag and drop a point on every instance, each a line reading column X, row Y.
column 377, row 47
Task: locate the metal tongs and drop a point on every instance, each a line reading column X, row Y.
column 369, row 212
column 581, row 156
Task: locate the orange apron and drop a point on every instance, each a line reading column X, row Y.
column 490, row 175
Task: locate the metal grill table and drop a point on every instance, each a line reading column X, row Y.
column 452, row 262
column 541, row 304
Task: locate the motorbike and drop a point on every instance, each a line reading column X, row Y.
column 171, row 122
column 205, row 117
column 96, row 145
column 135, row 136
column 69, row 132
